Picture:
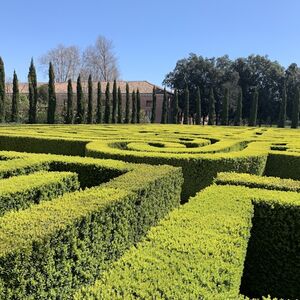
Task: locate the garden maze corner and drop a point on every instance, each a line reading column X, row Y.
column 149, row 211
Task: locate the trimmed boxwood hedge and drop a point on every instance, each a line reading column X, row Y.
column 22, row 191
column 199, row 250
column 50, row 249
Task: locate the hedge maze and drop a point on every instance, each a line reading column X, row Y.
column 149, row 212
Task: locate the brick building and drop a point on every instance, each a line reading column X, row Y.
column 144, row 87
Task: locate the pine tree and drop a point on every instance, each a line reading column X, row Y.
column 120, row 112
column 15, row 100
column 80, row 108
column 254, row 106
column 239, row 109
column 127, row 108
column 2, row 91
column 51, row 96
column 138, row 106
column 153, row 113
column 99, row 104
column 115, row 100
column 33, row 96
column 90, row 100
column 69, row 112
column 107, row 105
column 198, row 107
column 186, row 106
column 295, row 112
column 225, row 106
column 164, row 113
column 175, row 108
column 211, row 108
column 133, row 112
column 282, row 113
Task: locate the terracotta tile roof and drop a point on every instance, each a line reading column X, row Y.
column 144, row 87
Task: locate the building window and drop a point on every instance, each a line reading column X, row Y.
column 148, row 103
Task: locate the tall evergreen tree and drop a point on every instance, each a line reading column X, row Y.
column 2, row 91
column 15, row 100
column 186, row 106
column 211, row 108
column 99, row 104
column 239, row 109
column 225, row 107
column 33, row 95
column 51, row 96
column 198, row 107
column 138, row 106
column 80, row 108
column 90, row 100
column 115, row 101
column 153, row 113
column 254, row 106
column 127, row 105
column 164, row 113
column 69, row 112
column 133, row 112
column 107, row 105
column 120, row 111
column 295, row 112
column 175, row 108
column 282, row 112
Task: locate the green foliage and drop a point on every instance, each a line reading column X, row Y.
column 133, row 112
column 164, row 113
column 69, row 112
column 51, row 96
column 79, row 118
column 296, row 108
column 138, row 106
column 99, row 104
column 90, row 100
column 186, row 106
column 239, row 109
column 115, row 102
column 127, row 107
column 211, row 108
column 15, row 100
column 153, row 112
column 33, row 94
column 225, row 107
column 120, row 111
column 175, row 108
column 282, row 113
column 22, row 191
column 198, row 107
column 107, row 105
column 254, row 107
column 2, row 91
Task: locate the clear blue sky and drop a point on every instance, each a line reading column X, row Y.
column 150, row 36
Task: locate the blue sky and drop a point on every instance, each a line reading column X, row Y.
column 150, row 36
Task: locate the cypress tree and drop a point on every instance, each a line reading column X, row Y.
column 211, row 108
column 198, row 107
column 175, row 108
column 153, row 113
column 127, row 107
column 295, row 112
column 186, row 106
column 99, row 104
column 90, row 100
column 15, row 100
column 282, row 112
column 138, row 106
column 115, row 100
column 51, row 96
column 120, row 116
column 225, row 106
column 32, row 87
column 69, row 113
column 164, row 114
column 133, row 112
column 239, row 109
column 107, row 105
column 80, row 109
column 2, row 91
column 253, row 111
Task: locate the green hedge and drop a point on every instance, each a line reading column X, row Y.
column 199, row 250
column 50, row 249
column 22, row 191
column 254, row 181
